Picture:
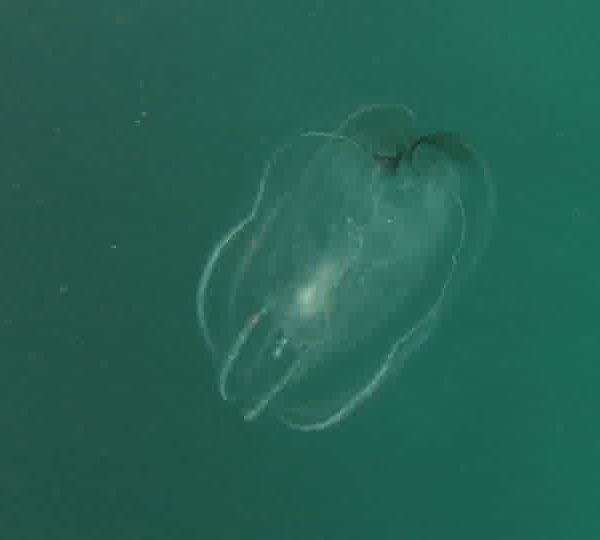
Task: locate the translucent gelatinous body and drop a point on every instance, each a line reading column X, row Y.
column 342, row 269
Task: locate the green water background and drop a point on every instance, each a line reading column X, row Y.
column 133, row 133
